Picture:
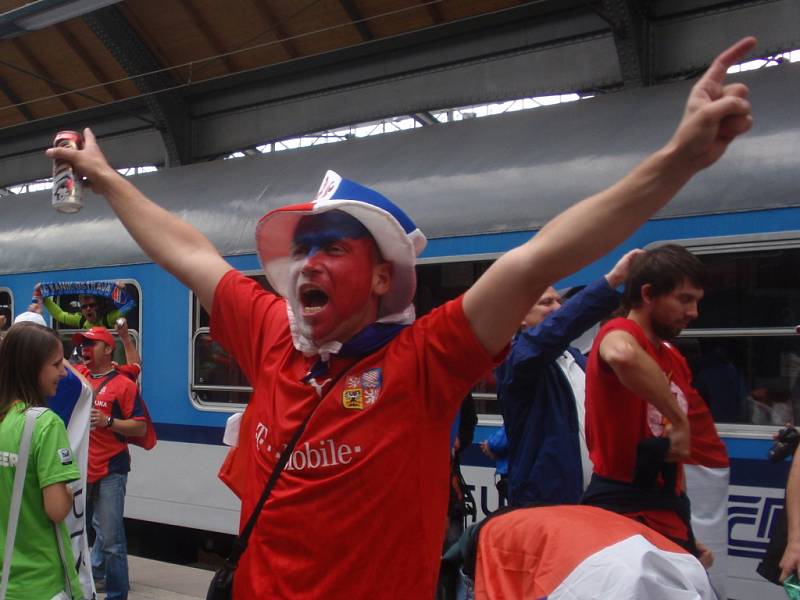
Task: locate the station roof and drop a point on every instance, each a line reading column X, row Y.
column 188, row 80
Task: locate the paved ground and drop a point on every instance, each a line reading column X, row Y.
column 153, row 580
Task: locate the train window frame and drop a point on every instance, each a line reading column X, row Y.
column 484, row 419
column 11, row 314
column 195, row 330
column 137, row 334
column 758, row 242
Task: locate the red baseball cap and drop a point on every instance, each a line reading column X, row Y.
column 100, row 334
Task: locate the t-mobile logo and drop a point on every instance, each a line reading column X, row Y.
column 328, row 454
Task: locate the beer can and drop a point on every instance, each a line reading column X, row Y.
column 66, row 187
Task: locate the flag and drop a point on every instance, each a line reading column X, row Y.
column 574, row 551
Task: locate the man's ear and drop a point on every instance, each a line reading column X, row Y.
column 647, row 293
column 108, row 349
column 382, row 278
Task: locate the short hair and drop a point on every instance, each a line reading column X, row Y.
column 24, row 350
column 664, row 268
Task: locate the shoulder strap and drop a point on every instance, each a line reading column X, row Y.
column 240, row 543
column 31, row 414
column 105, row 382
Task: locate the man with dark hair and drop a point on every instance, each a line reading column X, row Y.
column 359, row 507
column 639, row 392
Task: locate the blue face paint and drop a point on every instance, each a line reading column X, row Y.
column 314, row 232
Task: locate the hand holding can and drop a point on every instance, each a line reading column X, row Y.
column 66, row 185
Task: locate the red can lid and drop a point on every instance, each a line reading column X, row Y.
column 69, row 135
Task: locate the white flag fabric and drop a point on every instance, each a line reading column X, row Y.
column 80, row 400
column 575, row 552
column 707, row 488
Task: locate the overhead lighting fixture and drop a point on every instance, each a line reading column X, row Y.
column 44, row 13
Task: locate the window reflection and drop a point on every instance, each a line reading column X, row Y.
column 749, row 380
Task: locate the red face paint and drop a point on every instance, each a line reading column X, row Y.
column 332, row 288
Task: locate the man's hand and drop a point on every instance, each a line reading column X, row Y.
column 485, row 449
column 89, row 163
column 715, row 113
column 790, row 563
column 97, row 419
column 706, row 557
column 122, row 328
column 616, row 276
column 679, row 435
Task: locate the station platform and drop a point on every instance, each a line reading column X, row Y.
column 151, row 580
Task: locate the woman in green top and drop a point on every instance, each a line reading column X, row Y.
column 42, row 564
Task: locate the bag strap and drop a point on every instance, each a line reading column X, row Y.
column 240, row 543
column 105, row 382
column 31, row 414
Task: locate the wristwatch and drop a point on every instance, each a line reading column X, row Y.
column 109, row 422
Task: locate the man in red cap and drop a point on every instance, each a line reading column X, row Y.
column 117, row 414
column 357, row 511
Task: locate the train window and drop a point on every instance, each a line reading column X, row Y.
column 742, row 349
column 74, row 311
column 436, row 284
column 6, row 309
column 216, row 378
column 751, row 289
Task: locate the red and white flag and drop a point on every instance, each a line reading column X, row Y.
column 572, row 551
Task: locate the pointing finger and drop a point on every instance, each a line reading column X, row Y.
column 728, row 58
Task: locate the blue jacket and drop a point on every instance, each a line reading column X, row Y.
column 538, row 403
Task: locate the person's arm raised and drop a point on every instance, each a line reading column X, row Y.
column 715, row 114
column 638, row 372
column 170, row 242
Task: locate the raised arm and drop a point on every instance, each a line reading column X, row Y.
column 714, row 116
column 638, row 372
column 132, row 356
column 170, row 242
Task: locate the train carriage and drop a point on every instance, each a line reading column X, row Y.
column 477, row 188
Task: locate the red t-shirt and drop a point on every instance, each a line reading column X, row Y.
column 359, row 511
column 108, row 451
column 617, row 420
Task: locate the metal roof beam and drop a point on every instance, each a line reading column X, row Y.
column 87, row 59
column 44, row 73
column 16, row 100
column 358, row 20
column 275, row 24
column 631, row 30
column 207, row 32
column 167, row 107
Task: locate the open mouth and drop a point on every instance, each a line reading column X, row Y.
column 312, row 299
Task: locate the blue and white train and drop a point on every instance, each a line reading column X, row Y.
column 477, row 188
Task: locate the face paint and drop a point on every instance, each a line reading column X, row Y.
column 331, row 277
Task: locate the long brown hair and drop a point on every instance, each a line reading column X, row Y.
column 24, row 350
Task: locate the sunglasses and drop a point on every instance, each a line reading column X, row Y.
column 88, row 343
column 88, row 305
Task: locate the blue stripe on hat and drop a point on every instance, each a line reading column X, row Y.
column 350, row 190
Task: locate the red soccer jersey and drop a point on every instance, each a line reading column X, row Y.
column 617, row 420
column 108, row 451
column 359, row 511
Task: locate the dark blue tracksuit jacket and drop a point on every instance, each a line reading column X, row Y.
column 538, row 404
